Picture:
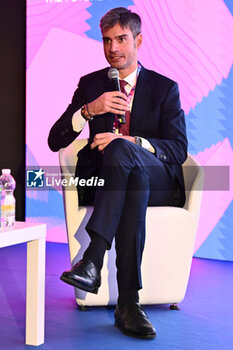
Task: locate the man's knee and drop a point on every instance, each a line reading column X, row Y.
column 117, row 152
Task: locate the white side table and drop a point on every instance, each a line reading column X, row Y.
column 34, row 235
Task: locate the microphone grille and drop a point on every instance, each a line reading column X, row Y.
column 113, row 73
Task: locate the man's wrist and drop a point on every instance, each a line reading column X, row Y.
column 85, row 113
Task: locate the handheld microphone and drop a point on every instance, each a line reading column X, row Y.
column 113, row 75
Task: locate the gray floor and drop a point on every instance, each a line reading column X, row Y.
column 204, row 322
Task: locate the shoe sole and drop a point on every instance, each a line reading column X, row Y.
column 75, row 283
column 134, row 335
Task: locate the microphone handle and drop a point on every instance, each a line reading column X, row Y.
column 116, row 87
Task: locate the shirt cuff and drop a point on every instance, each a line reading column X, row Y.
column 147, row 145
column 78, row 122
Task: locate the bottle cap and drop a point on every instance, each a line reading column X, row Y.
column 6, row 171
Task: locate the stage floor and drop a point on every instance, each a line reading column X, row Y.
column 205, row 321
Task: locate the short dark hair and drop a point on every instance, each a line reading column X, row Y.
column 124, row 17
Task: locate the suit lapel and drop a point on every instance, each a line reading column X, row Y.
column 140, row 99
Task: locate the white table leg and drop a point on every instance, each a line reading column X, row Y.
column 35, row 298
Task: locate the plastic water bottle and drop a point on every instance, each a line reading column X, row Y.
column 7, row 184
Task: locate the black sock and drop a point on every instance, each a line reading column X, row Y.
column 96, row 250
column 127, row 297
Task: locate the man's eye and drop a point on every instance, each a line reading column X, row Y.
column 121, row 40
column 106, row 41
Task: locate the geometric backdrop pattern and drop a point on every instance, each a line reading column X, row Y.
column 189, row 41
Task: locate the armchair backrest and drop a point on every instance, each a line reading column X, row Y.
column 193, row 180
column 68, row 156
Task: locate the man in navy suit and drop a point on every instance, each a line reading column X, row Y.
column 141, row 163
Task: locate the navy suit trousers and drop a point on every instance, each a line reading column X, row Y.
column 134, row 178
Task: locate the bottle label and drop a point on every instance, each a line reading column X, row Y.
column 8, row 207
column 8, row 215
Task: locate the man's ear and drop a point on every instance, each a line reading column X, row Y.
column 138, row 40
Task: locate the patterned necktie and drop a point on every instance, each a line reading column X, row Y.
column 124, row 128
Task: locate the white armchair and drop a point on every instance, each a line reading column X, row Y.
column 170, row 237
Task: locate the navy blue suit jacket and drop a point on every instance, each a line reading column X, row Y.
column 156, row 116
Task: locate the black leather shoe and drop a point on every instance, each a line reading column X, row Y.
column 84, row 275
column 133, row 321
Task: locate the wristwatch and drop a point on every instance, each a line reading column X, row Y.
column 138, row 140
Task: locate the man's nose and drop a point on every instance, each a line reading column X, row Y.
column 113, row 46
